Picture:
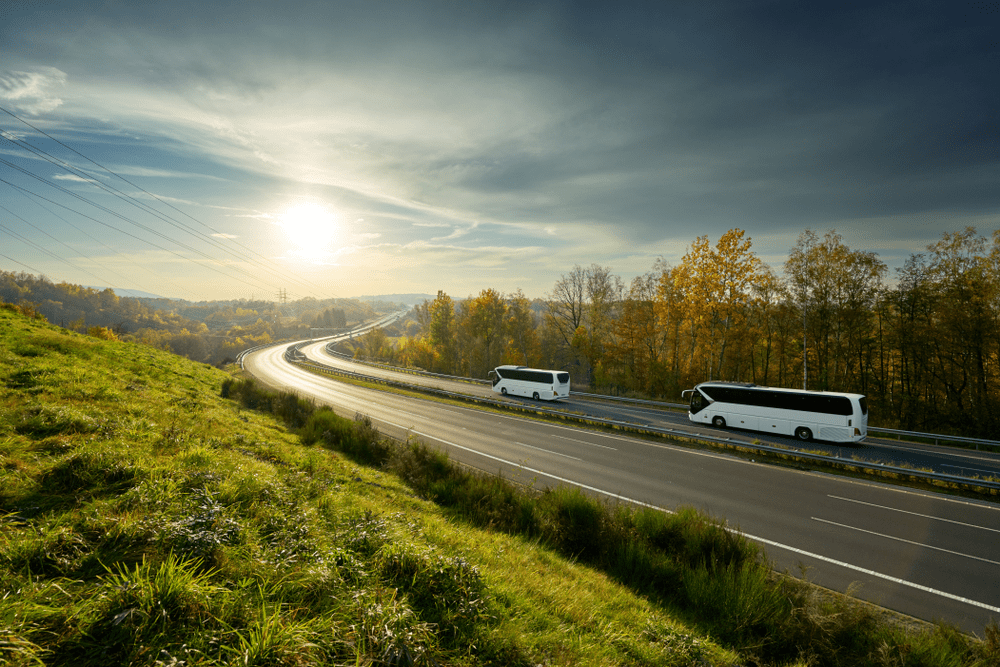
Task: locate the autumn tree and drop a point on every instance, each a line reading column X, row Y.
column 639, row 353
column 670, row 317
column 836, row 290
column 565, row 314
column 522, row 348
column 769, row 337
column 441, row 332
column 482, row 325
column 717, row 286
column 582, row 308
column 963, row 285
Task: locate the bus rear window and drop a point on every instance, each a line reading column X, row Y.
column 563, row 378
column 864, row 405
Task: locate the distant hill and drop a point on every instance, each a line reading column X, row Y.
column 134, row 293
column 408, row 299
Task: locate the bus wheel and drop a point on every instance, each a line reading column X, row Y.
column 719, row 422
column 503, row 390
column 803, row 434
column 535, row 396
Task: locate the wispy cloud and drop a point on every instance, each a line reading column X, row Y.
column 70, row 177
column 32, row 91
column 450, row 141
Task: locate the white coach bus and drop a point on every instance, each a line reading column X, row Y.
column 824, row 415
column 533, row 382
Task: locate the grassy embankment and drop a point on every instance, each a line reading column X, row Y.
column 147, row 518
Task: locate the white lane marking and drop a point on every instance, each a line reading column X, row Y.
column 900, row 539
column 584, row 442
column 925, row 516
column 849, row 566
column 809, row 554
column 873, row 573
column 988, row 472
column 539, row 449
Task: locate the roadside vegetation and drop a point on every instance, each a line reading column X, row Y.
column 213, row 332
column 156, row 511
column 922, row 345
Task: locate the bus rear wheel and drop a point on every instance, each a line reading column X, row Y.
column 535, row 396
column 803, row 434
column 719, row 422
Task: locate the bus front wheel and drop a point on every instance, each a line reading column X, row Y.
column 503, row 390
column 803, row 434
column 719, row 422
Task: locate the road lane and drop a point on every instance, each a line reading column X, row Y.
column 775, row 505
column 942, row 459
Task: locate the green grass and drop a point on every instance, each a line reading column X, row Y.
column 150, row 516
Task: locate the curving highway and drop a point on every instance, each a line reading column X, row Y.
column 939, row 458
column 925, row 555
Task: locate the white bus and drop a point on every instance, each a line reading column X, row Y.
column 533, row 382
column 824, row 415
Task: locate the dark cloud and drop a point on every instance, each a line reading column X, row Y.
column 657, row 120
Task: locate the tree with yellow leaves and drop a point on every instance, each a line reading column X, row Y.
column 717, row 284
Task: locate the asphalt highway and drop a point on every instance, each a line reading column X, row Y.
column 929, row 556
column 939, row 458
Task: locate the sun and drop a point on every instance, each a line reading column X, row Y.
column 310, row 229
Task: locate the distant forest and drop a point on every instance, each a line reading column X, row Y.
column 212, row 332
column 923, row 349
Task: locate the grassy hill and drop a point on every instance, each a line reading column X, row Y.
column 148, row 517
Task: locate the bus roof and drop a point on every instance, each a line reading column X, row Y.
column 750, row 385
column 528, row 368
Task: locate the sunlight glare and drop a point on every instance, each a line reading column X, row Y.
column 310, row 229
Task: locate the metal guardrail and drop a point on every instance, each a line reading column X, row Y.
column 991, row 484
column 356, row 330
column 935, row 437
column 637, row 401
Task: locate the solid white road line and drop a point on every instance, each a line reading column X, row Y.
column 762, row 540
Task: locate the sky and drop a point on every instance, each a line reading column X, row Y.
column 215, row 150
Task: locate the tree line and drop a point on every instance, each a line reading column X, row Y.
column 924, row 348
column 212, row 332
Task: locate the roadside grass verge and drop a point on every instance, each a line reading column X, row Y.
column 147, row 520
column 687, row 563
column 789, row 457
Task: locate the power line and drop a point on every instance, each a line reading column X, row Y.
column 118, row 215
column 45, row 251
column 101, row 222
column 135, row 202
column 113, row 251
column 30, row 224
column 129, row 199
column 30, row 268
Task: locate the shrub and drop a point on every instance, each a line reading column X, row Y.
column 448, row 592
column 102, row 333
column 575, row 523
